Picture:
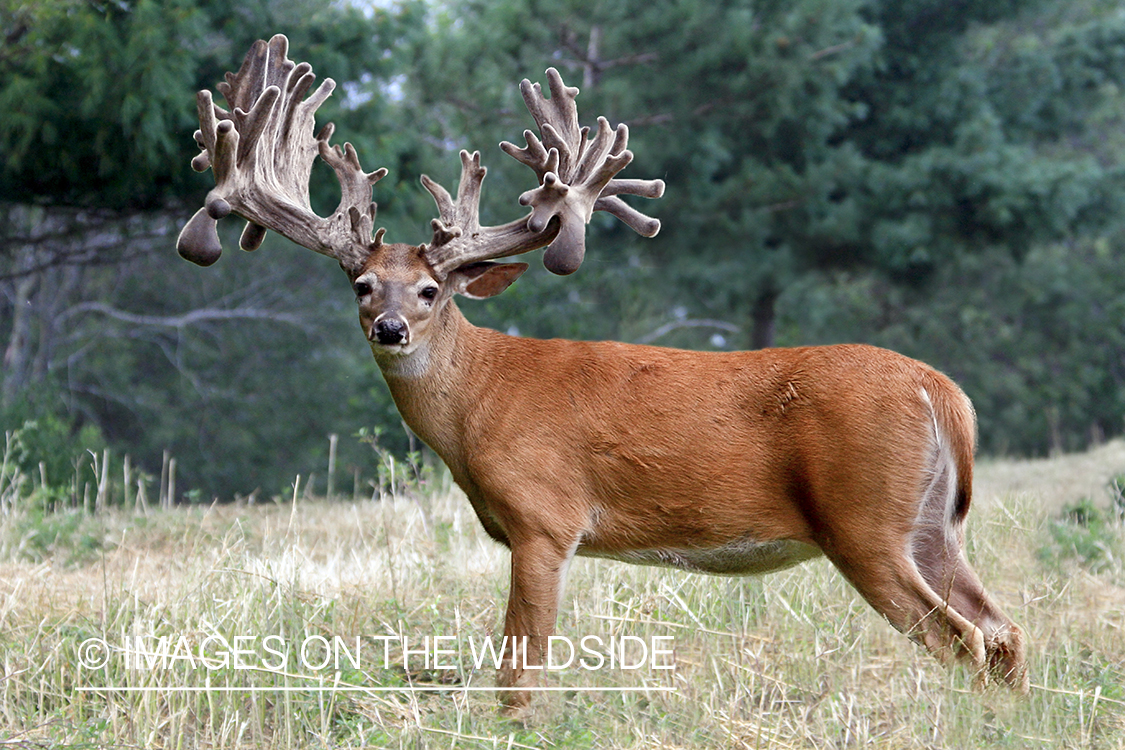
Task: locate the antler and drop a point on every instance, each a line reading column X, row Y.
column 262, row 153
column 576, row 178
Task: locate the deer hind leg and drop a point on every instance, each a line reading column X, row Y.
column 937, row 548
column 910, row 567
column 939, row 556
column 891, row 583
column 914, row 572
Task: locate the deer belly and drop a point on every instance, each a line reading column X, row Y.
column 738, row 558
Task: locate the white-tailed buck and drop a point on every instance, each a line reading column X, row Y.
column 725, row 463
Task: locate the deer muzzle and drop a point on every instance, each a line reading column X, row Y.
column 389, row 331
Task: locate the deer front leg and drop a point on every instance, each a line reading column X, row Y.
column 539, row 566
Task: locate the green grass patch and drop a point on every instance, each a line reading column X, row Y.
column 67, row 538
column 1088, row 533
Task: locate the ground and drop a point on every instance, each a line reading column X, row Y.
column 792, row 660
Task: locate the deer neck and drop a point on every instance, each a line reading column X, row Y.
column 433, row 385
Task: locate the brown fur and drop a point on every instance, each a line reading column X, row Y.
column 610, row 449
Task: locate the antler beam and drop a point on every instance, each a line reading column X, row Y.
column 262, row 152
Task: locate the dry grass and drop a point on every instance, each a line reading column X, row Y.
column 793, row 660
column 1052, row 482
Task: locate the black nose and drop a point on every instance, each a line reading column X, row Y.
column 390, row 331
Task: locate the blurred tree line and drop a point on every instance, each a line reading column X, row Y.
column 938, row 177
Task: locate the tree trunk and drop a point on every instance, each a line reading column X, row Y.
column 17, row 355
column 763, row 318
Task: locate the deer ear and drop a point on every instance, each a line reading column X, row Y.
column 484, row 280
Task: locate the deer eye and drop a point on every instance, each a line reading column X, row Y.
column 362, row 289
column 429, row 293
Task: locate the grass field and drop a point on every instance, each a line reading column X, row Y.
column 792, row 660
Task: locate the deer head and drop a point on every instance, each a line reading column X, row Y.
column 262, row 151
column 400, row 293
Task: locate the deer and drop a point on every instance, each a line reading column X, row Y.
column 725, row 463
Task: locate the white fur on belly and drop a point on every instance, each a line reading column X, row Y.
column 743, row 557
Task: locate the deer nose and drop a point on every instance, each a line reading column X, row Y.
column 390, row 331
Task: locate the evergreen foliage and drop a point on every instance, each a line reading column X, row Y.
column 241, row 374
column 941, row 178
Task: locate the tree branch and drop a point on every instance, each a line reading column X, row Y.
column 191, row 318
column 68, row 236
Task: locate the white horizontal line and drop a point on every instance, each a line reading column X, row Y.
column 355, row 689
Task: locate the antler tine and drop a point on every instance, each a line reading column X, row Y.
column 458, row 237
column 461, row 216
column 576, row 177
column 556, row 118
column 355, row 184
column 262, row 152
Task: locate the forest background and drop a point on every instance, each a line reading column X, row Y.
column 940, row 177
